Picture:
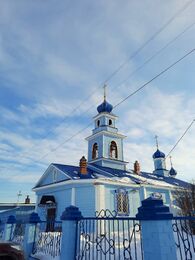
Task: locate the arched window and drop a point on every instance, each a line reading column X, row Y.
column 113, row 150
column 122, row 202
column 110, row 122
column 95, row 151
column 98, row 123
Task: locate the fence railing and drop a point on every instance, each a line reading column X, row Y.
column 17, row 233
column 105, row 236
column 184, row 234
column 1, row 230
column 109, row 238
column 48, row 239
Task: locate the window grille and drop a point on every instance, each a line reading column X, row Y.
column 122, row 202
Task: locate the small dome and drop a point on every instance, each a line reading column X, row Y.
column 158, row 154
column 104, row 107
column 172, row 172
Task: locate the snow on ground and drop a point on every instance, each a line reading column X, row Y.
column 42, row 256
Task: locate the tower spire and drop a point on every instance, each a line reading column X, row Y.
column 105, row 86
column 170, row 157
column 156, row 137
column 172, row 171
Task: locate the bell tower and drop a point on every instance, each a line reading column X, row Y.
column 105, row 145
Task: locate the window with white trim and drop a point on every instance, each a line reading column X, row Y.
column 122, row 202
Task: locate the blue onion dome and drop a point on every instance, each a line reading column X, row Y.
column 172, row 172
column 104, row 107
column 158, row 154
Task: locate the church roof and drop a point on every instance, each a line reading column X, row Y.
column 100, row 172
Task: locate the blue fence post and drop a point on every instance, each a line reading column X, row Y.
column 69, row 232
column 9, row 228
column 156, row 227
column 30, row 234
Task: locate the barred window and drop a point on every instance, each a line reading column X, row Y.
column 122, row 202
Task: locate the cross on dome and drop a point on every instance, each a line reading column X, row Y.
column 105, row 106
column 158, row 153
column 156, row 137
column 105, row 86
column 170, row 157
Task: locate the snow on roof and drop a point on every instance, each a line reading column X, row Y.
column 106, row 173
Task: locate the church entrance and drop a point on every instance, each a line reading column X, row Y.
column 49, row 204
column 51, row 214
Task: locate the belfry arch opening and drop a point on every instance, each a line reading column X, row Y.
column 113, row 150
column 95, row 151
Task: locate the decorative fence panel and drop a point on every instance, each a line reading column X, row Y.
column 48, row 239
column 2, row 230
column 184, row 233
column 111, row 238
column 17, row 233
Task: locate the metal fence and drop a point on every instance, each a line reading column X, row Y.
column 184, row 234
column 48, row 239
column 1, row 230
column 109, row 237
column 17, row 233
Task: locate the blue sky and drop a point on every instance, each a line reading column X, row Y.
column 55, row 54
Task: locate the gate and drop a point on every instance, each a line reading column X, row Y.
column 108, row 237
column 184, row 234
column 47, row 239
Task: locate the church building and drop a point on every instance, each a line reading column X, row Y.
column 103, row 181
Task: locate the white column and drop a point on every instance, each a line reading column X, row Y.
column 73, row 197
column 143, row 194
column 100, row 197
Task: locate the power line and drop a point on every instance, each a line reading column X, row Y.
column 154, row 55
column 120, row 67
column 185, row 132
column 149, row 40
column 126, row 61
column 123, row 100
column 147, row 61
column 123, row 64
column 67, row 140
column 158, row 75
column 54, row 149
